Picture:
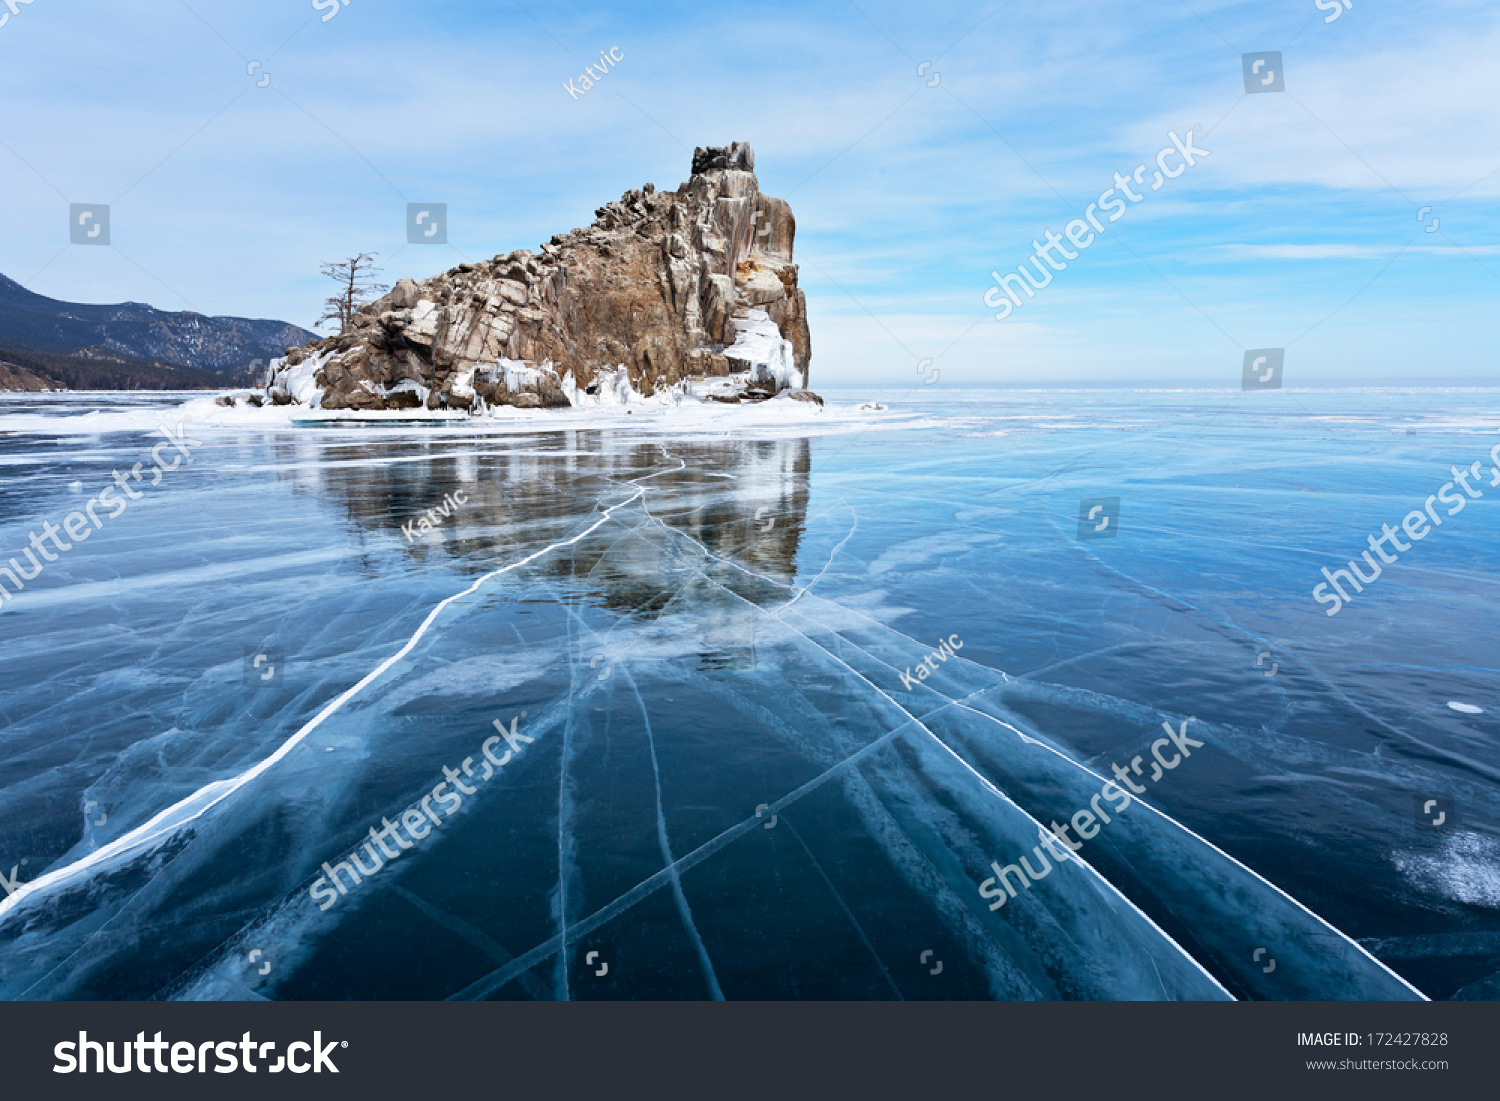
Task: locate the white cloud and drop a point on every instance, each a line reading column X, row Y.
column 908, row 213
column 1348, row 252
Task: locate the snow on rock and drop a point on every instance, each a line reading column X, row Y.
column 612, row 388
column 521, row 376
column 299, row 384
column 410, row 386
column 760, row 349
column 461, row 386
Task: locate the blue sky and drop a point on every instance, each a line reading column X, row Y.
column 1299, row 230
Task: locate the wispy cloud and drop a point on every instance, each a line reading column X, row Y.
column 1346, row 252
column 908, row 192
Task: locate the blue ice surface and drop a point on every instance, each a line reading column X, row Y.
column 732, row 791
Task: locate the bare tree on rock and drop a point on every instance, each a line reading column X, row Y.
column 357, row 285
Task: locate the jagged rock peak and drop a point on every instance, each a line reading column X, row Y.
column 719, row 157
column 661, row 288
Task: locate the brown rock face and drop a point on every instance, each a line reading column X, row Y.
column 660, row 285
column 13, row 377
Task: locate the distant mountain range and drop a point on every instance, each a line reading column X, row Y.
column 131, row 346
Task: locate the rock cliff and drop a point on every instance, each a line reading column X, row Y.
column 14, row 377
column 664, row 287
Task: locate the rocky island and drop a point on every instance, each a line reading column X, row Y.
column 693, row 289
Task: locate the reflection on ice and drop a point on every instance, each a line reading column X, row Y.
column 730, row 792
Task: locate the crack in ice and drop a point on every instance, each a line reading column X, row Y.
column 168, row 822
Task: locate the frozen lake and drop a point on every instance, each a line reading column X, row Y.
column 637, row 714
